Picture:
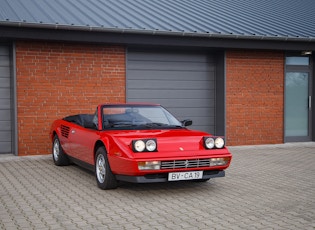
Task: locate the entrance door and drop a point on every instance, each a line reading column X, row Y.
column 298, row 91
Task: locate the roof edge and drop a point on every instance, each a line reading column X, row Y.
column 154, row 32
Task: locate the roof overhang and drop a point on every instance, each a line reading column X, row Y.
column 75, row 33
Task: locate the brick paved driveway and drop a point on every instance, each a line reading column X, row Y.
column 266, row 187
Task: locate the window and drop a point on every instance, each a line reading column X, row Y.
column 297, row 61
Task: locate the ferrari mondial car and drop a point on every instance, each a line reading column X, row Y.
column 140, row 143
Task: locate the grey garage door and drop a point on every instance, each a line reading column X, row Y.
column 5, row 101
column 182, row 82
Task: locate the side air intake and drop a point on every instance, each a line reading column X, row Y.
column 65, row 131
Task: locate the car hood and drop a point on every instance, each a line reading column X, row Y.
column 167, row 140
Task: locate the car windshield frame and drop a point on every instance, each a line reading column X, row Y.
column 136, row 117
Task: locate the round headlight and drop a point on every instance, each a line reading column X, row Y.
column 139, row 146
column 209, row 142
column 219, row 142
column 150, row 145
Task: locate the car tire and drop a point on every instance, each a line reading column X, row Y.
column 59, row 156
column 104, row 177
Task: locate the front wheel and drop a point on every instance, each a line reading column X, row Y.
column 104, row 177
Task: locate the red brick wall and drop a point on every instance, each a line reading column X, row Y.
column 254, row 97
column 59, row 79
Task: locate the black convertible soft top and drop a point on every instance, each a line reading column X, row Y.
column 84, row 120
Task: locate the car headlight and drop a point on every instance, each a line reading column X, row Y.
column 219, row 142
column 150, row 145
column 209, row 142
column 213, row 142
column 144, row 145
column 139, row 145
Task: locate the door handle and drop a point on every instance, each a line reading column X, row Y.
column 309, row 102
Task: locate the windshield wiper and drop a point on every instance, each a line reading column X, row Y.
column 176, row 126
column 148, row 125
column 121, row 124
column 155, row 124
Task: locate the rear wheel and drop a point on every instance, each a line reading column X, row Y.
column 104, row 177
column 60, row 158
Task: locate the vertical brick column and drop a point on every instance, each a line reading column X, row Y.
column 254, row 97
column 59, row 79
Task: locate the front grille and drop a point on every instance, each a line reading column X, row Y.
column 179, row 164
column 65, row 131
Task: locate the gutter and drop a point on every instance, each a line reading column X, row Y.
column 144, row 31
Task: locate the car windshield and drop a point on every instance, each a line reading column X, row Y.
column 138, row 117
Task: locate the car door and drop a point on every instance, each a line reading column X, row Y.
column 82, row 141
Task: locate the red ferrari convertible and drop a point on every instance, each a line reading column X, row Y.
column 139, row 143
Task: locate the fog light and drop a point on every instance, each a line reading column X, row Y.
column 219, row 161
column 149, row 165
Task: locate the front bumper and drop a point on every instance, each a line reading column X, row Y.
column 163, row 177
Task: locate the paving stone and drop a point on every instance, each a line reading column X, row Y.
column 266, row 187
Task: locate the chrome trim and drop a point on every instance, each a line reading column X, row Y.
column 193, row 163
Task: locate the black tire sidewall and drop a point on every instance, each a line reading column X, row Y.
column 110, row 181
column 62, row 158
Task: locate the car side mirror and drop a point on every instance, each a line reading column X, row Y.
column 187, row 122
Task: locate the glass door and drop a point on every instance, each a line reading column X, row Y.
column 297, row 100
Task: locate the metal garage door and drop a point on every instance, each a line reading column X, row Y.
column 182, row 82
column 5, row 101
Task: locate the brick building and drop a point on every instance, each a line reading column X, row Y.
column 239, row 70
